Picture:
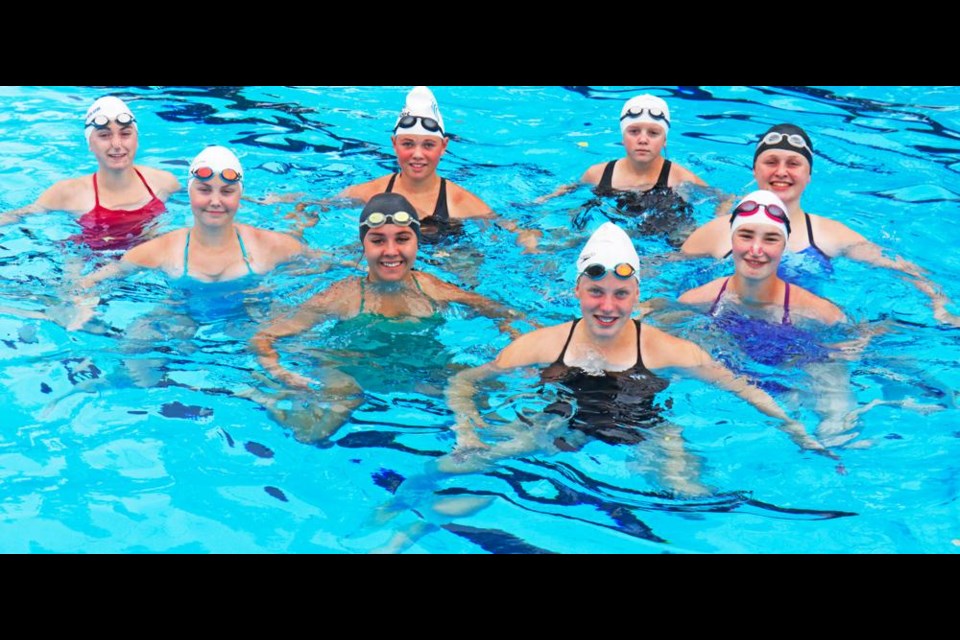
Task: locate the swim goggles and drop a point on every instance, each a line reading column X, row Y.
column 428, row 123
column 402, row 218
column 656, row 114
column 775, row 137
column 623, row 271
column 206, row 173
column 101, row 121
column 774, row 212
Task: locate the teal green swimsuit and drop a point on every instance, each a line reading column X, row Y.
column 208, row 302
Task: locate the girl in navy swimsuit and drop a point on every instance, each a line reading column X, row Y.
column 604, row 369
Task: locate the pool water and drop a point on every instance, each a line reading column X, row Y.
column 125, row 441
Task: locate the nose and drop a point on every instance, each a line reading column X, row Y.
column 756, row 248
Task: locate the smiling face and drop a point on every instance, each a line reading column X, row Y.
column 607, row 305
column 215, row 202
column 391, row 252
column 418, row 156
column 785, row 173
column 757, row 250
column 115, row 146
column 644, row 141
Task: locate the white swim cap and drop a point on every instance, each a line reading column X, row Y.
column 106, row 109
column 645, row 108
column 609, row 247
column 217, row 160
column 421, row 115
column 761, row 207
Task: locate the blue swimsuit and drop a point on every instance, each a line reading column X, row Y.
column 773, row 345
column 208, row 302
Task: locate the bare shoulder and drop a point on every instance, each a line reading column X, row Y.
column 809, row 305
column 539, row 347
column 342, row 298
column 438, row 289
column 703, row 295
column 366, row 190
column 165, row 252
column 594, row 173
column 72, row 194
column 661, row 350
column 708, row 240
column 680, row 175
column 833, row 236
column 464, row 204
column 161, row 181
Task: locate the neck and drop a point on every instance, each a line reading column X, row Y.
column 387, row 286
column 646, row 169
column 114, row 180
column 757, row 292
column 608, row 345
column 219, row 236
column 425, row 185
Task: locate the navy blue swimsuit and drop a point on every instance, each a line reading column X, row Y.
column 613, row 407
column 439, row 224
column 657, row 212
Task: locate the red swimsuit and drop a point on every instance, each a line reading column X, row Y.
column 117, row 229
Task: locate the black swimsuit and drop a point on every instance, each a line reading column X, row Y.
column 659, row 211
column 439, row 224
column 612, row 407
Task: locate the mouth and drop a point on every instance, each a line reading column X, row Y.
column 779, row 185
column 754, row 264
column 606, row 321
column 391, row 264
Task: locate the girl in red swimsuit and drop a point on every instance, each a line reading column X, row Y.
column 118, row 203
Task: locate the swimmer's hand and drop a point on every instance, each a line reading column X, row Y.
column 805, row 441
column 84, row 308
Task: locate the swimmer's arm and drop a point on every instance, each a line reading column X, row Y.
column 263, row 344
column 461, row 398
column 700, row 365
column 450, row 293
column 528, row 350
column 311, row 313
column 705, row 240
column 871, row 253
column 11, row 217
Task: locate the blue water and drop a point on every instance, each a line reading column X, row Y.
column 91, row 461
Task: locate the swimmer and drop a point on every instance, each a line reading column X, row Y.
column 117, row 204
column 783, row 165
column 392, row 299
column 605, row 366
column 647, row 186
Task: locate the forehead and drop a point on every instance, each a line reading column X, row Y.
column 638, row 126
column 758, row 228
column 416, row 139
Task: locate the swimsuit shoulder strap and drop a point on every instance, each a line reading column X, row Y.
column 144, row 181
column 243, row 251
column 393, row 181
column 186, row 254
column 639, row 364
column 786, row 306
column 606, row 181
column 96, row 192
column 440, row 211
column 363, row 295
column 563, row 354
column 664, row 179
column 813, row 243
column 716, row 303
column 433, row 303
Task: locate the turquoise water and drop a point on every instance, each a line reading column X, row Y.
column 91, row 461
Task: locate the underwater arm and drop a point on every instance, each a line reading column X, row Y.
column 872, row 254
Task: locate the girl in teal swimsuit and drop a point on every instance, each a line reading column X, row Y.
column 392, row 299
